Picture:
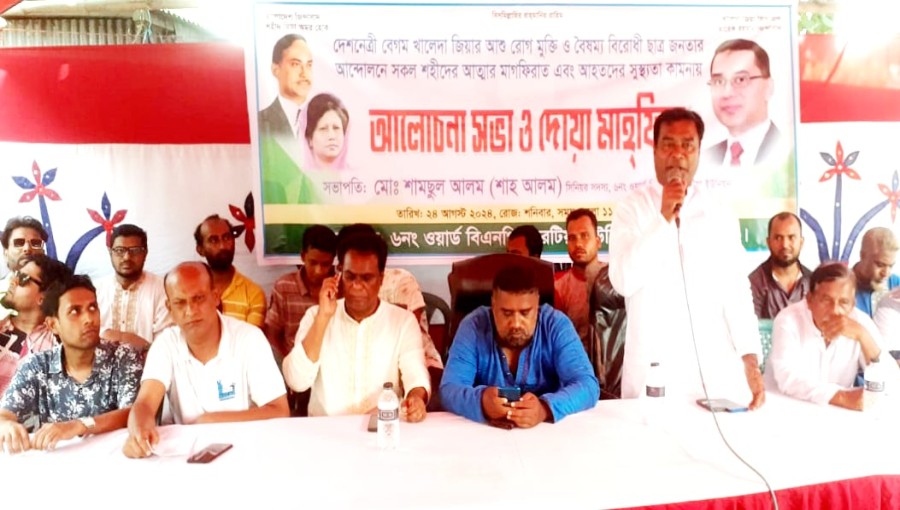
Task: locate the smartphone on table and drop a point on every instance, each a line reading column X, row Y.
column 209, row 454
column 721, row 405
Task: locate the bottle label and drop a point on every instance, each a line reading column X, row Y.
column 656, row 391
column 388, row 414
column 874, row 385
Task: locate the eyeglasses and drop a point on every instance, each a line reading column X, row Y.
column 134, row 251
column 37, row 244
column 23, row 279
column 740, row 81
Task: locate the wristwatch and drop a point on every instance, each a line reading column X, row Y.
column 89, row 424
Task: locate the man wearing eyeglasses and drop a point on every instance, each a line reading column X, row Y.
column 241, row 298
column 132, row 301
column 22, row 235
column 741, row 85
column 25, row 332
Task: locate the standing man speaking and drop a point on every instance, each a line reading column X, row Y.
column 673, row 254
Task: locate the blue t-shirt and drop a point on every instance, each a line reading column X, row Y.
column 864, row 297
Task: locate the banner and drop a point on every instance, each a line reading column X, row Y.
column 448, row 125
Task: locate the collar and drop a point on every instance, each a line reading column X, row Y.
column 750, row 141
column 134, row 286
column 292, row 112
column 341, row 304
column 183, row 353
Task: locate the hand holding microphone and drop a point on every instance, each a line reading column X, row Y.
column 673, row 196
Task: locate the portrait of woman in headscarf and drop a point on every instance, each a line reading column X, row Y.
column 327, row 122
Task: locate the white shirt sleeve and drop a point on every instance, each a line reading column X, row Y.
column 786, row 361
column 413, row 371
column 299, row 372
column 158, row 366
column 263, row 377
column 887, row 318
column 740, row 317
column 636, row 243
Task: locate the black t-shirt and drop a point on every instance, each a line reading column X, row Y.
column 14, row 340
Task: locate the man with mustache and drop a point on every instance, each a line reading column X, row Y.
column 874, row 278
column 292, row 66
column 22, row 235
column 211, row 368
column 83, row 386
column 781, row 279
column 240, row 297
column 672, row 256
column 132, row 301
column 517, row 342
column 571, row 286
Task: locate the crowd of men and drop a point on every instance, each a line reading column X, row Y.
column 199, row 344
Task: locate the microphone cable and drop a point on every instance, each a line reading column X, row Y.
column 687, row 303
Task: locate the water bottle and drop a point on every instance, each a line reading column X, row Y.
column 874, row 387
column 654, row 398
column 388, row 418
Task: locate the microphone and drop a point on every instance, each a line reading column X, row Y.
column 676, row 176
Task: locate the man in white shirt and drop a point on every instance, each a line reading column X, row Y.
column 346, row 349
column 672, row 254
column 132, row 301
column 821, row 343
column 211, row 367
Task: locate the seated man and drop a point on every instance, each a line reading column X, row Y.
column 877, row 255
column 821, row 343
column 781, row 279
column 400, row 288
column 347, row 348
column 555, row 376
column 572, row 287
column 525, row 240
column 211, row 367
column 296, row 292
column 26, row 331
column 22, row 235
column 132, row 301
column 83, row 386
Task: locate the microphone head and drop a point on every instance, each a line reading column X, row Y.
column 675, row 175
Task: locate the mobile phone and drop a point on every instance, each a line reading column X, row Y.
column 373, row 423
column 209, row 454
column 721, row 405
column 510, row 393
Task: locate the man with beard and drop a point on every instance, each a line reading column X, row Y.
column 571, row 286
column 348, row 348
column 132, row 301
column 212, row 368
column 873, row 271
column 83, row 386
column 781, row 279
column 672, row 256
column 240, row 297
column 26, row 331
column 517, row 342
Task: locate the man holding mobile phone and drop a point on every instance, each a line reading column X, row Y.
column 517, row 345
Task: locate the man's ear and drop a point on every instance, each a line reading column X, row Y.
column 52, row 322
column 200, row 251
column 168, row 305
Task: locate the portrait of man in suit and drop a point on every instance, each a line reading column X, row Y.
column 292, row 66
column 741, row 86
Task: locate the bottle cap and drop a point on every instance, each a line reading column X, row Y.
column 388, row 385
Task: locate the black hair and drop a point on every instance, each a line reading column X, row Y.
column 675, row 115
column 50, row 304
column 516, row 279
column 128, row 230
column 364, row 243
column 533, row 240
column 829, row 272
column 21, row 222
column 52, row 270
column 320, row 237
column 284, row 43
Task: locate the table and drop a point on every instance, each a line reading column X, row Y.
column 603, row 458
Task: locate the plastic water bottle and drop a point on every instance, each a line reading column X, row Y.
column 654, row 398
column 388, row 418
column 874, row 388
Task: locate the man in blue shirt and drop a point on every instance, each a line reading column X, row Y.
column 83, row 386
column 874, row 279
column 516, row 342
